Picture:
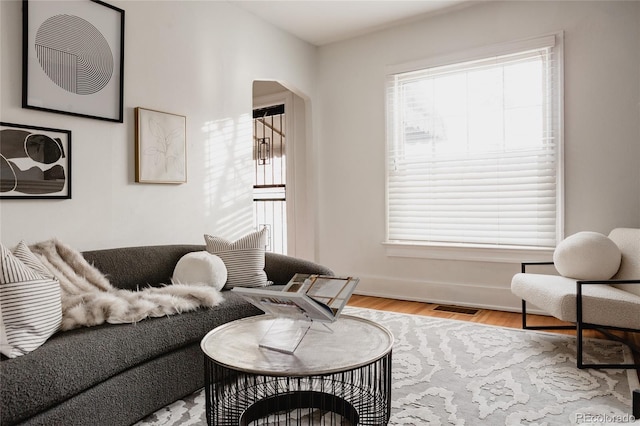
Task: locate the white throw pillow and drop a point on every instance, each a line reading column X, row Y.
column 243, row 258
column 29, row 303
column 587, row 256
column 200, row 267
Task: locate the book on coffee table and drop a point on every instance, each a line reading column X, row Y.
column 304, row 300
column 306, row 297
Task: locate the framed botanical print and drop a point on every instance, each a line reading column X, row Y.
column 73, row 58
column 35, row 162
column 161, row 147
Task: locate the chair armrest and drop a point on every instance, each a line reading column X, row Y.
column 524, row 265
column 581, row 282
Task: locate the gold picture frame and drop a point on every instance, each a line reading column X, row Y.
column 161, row 147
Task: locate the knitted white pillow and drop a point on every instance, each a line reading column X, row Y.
column 200, row 267
column 587, row 256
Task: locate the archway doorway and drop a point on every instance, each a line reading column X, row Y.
column 290, row 146
column 270, row 174
column 273, row 146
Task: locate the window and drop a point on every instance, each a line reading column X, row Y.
column 474, row 148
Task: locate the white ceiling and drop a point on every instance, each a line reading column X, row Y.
column 321, row 22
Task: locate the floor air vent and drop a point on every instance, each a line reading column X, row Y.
column 456, row 309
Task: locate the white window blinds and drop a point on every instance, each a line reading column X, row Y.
column 473, row 149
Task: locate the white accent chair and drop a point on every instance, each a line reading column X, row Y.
column 611, row 304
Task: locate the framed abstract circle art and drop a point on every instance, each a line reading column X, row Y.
column 73, row 58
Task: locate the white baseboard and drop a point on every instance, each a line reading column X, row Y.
column 444, row 293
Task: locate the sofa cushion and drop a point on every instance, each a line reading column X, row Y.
column 244, row 258
column 76, row 360
column 587, row 256
column 132, row 268
column 30, row 308
column 200, row 267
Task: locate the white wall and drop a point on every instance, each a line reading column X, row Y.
column 602, row 138
column 197, row 59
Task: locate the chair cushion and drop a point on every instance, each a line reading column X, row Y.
column 628, row 239
column 553, row 294
column 602, row 304
column 587, row 256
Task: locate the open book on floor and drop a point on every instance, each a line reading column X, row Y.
column 305, row 297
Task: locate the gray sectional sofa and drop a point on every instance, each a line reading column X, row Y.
column 118, row 374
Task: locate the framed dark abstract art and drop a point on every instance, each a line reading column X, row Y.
column 73, row 58
column 35, row 162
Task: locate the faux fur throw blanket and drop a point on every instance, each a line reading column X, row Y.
column 89, row 299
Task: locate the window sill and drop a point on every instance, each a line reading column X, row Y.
column 468, row 252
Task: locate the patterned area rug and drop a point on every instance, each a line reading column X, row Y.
column 448, row 372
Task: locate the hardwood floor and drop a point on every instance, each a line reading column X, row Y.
column 483, row 316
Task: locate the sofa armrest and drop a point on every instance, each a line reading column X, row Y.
column 281, row 268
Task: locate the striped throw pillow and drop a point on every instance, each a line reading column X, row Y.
column 26, row 256
column 243, row 258
column 30, row 308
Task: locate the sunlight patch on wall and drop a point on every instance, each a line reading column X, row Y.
column 228, row 179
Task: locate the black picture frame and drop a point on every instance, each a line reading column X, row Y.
column 35, row 162
column 73, row 58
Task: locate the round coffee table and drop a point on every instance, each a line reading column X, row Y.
column 344, row 369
